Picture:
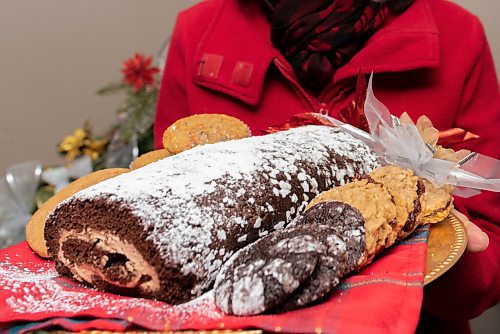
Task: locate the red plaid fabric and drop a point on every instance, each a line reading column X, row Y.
column 383, row 298
column 319, row 36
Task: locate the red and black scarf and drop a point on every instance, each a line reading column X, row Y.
column 319, row 36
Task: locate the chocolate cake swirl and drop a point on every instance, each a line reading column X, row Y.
column 163, row 231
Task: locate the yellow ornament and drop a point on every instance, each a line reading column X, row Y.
column 94, row 147
column 71, row 145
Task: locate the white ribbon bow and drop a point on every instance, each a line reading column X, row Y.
column 402, row 145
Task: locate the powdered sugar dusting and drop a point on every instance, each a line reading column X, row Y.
column 41, row 290
column 176, row 203
column 283, row 272
column 248, row 295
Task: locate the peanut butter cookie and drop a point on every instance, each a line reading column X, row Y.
column 437, row 202
column 149, row 157
column 403, row 186
column 202, row 129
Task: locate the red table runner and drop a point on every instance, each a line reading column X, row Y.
column 385, row 297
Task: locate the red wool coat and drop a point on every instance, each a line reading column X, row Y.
column 431, row 60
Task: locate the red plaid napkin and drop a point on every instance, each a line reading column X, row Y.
column 383, row 298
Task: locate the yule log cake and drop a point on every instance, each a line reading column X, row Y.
column 163, row 231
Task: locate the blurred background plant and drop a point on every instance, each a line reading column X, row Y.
column 131, row 136
column 28, row 185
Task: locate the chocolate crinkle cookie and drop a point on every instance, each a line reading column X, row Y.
column 293, row 267
column 345, row 220
column 341, row 229
column 263, row 274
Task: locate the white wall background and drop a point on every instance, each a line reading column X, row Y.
column 54, row 55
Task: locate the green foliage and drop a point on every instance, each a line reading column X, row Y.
column 43, row 193
column 112, row 88
column 136, row 113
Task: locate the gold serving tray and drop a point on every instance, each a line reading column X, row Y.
column 447, row 242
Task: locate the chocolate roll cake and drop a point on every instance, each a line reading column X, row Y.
column 163, row 231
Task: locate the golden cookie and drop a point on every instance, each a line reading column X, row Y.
column 36, row 225
column 404, row 188
column 202, row 129
column 149, row 157
column 376, row 205
column 437, row 202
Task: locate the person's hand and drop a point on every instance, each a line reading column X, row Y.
column 477, row 240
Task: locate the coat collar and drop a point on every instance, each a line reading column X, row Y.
column 235, row 53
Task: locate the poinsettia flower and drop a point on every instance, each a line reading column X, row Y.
column 138, row 71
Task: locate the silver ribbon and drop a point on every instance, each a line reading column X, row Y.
column 402, row 145
column 17, row 198
column 60, row 177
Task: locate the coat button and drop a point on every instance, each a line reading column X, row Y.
column 210, row 65
column 242, row 74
